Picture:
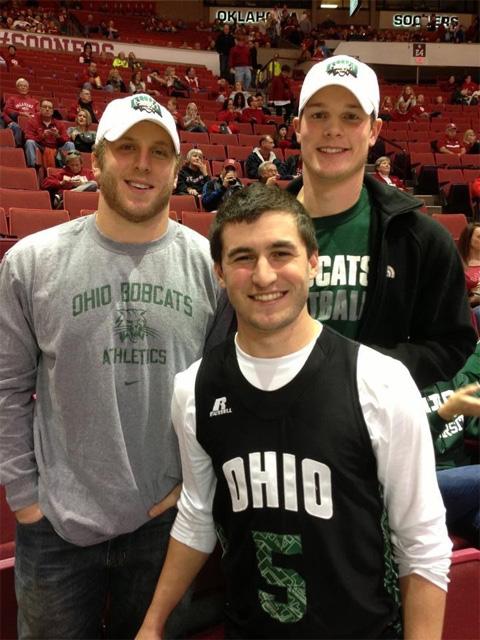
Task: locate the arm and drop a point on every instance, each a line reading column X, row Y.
column 18, row 371
column 181, row 566
column 181, row 183
column 32, row 131
column 193, row 535
column 423, row 608
column 212, row 196
column 395, row 417
column 54, row 181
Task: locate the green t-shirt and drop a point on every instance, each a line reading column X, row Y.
column 337, row 296
column 448, row 437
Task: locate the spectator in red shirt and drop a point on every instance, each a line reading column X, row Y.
column 418, row 111
column 44, row 132
column 19, row 104
column 281, row 140
column 281, row 93
column 401, row 113
column 450, row 143
column 382, row 173
column 228, row 112
column 73, row 177
column 191, row 80
column 91, row 77
column 252, row 113
column 469, row 86
column 11, row 58
column 240, row 63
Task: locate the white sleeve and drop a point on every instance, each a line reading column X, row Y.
column 194, row 524
column 401, row 441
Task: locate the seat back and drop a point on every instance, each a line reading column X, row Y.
column 6, row 138
column 75, row 201
column 200, row 222
column 18, row 178
column 12, row 157
column 24, row 198
column 4, row 230
column 462, row 612
column 455, row 223
column 183, row 202
column 24, row 222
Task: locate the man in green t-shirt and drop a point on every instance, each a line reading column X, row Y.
column 453, row 411
column 389, row 276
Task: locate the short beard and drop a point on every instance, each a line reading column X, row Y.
column 109, row 191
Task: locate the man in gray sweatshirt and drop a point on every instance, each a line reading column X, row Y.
column 96, row 318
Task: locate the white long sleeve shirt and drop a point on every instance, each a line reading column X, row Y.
column 401, row 442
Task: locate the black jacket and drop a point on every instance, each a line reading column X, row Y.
column 416, row 308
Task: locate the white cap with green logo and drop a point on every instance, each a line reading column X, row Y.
column 343, row 71
column 122, row 114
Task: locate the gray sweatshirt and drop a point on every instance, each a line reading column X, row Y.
column 97, row 329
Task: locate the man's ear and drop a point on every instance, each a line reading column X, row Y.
column 296, row 127
column 217, row 268
column 97, row 172
column 375, row 131
column 313, row 262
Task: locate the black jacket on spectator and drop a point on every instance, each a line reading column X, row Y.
column 189, row 178
column 416, row 308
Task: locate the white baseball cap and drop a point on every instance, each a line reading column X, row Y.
column 343, row 71
column 120, row 115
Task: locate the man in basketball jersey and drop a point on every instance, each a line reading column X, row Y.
column 388, row 275
column 307, row 454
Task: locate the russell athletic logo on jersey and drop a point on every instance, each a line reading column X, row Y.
column 220, row 408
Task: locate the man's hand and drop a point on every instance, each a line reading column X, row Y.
column 29, row 515
column 167, row 503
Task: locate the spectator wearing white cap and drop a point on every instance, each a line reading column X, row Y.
column 97, row 317
column 381, row 259
column 450, row 143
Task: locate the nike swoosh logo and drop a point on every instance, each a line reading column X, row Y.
column 128, row 383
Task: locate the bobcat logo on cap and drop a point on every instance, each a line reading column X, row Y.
column 146, row 103
column 342, row 68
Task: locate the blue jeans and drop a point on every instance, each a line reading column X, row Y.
column 17, row 133
column 62, row 589
column 243, row 75
column 31, row 150
column 460, row 489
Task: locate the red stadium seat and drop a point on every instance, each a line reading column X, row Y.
column 75, row 201
column 18, row 178
column 6, row 138
column 4, row 231
column 238, row 152
column 200, row 222
column 197, row 138
column 24, row 222
column 5, row 245
column 455, row 223
column 12, row 157
column 462, row 613
column 24, row 198
column 180, row 202
column 223, row 138
column 248, row 140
